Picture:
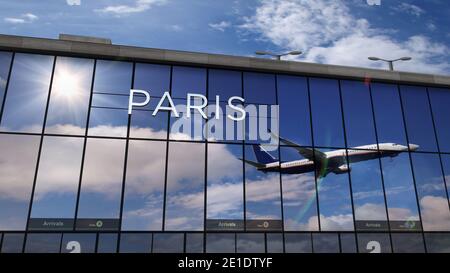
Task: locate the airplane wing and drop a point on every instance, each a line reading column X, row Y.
column 311, row 154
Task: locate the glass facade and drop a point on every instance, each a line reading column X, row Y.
column 78, row 174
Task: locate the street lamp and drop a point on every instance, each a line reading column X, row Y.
column 278, row 56
column 391, row 62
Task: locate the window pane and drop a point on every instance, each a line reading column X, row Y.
column 78, row 243
column 274, row 242
column 145, row 125
column 5, row 63
column 299, row 193
column 250, row 243
column 359, row 125
column 185, row 186
column 168, row 243
column 335, row 204
column 57, row 183
column 400, row 193
column 433, row 201
column 419, row 122
column 18, row 163
column 220, row 243
column 188, row 80
column 407, row 243
column 69, row 98
column 225, row 197
column 445, row 158
column 388, row 116
column 297, row 243
column 12, row 243
column 184, row 127
column 224, row 83
column 259, row 88
column 110, row 100
column 101, row 184
column 107, row 243
column 27, row 93
column 325, row 243
column 144, row 186
column 113, row 77
column 374, row 243
column 326, row 113
column 367, row 186
column 263, row 201
column 295, row 120
column 194, row 242
column 348, row 243
column 440, row 100
column 108, row 122
column 436, row 242
column 43, row 243
column 153, row 78
column 135, row 243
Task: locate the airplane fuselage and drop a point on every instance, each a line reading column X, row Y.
column 336, row 161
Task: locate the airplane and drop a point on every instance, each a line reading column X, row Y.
column 327, row 162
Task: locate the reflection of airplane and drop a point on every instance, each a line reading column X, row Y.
column 326, row 162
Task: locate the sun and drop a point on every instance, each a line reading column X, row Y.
column 67, row 84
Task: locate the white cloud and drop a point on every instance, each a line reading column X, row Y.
column 410, row 9
column 2, row 83
column 73, row 2
column 22, row 19
column 329, row 33
column 139, row 6
column 221, row 26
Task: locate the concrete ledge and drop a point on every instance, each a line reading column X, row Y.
column 104, row 50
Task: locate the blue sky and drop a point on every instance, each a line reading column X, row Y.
column 328, row 31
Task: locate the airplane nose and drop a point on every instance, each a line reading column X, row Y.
column 413, row 147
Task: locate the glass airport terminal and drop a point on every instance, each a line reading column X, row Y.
column 361, row 161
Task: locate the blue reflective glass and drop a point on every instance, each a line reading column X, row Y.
column 374, row 243
column 5, row 63
column 111, row 101
column 225, row 197
column 388, row 114
column 107, row 243
column 367, row 187
column 325, row 243
column 18, row 163
column 12, row 243
column 101, row 185
column 440, row 100
column 359, row 125
column 185, row 186
column 224, row 83
column 168, row 243
column 108, row 122
column 297, row 243
column 69, row 98
column 262, row 189
column 220, row 243
column 326, row 113
column 299, row 195
column 113, row 77
column 153, row 78
column 419, row 122
column 58, row 178
column 27, row 93
column 250, row 243
column 144, row 125
column 144, row 186
column 400, row 192
column 135, row 243
column 259, row 88
column 43, row 243
column 293, row 98
column 335, row 204
column 188, row 80
column 78, row 243
column 434, row 206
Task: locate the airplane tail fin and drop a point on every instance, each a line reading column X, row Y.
column 262, row 156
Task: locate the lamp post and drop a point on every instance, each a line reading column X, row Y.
column 278, row 56
column 391, row 62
